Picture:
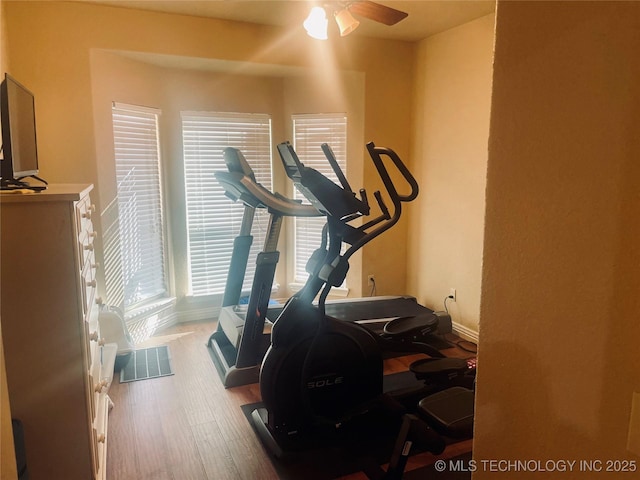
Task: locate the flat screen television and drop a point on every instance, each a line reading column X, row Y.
column 19, row 145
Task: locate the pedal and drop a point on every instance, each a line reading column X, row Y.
column 411, row 327
column 438, row 370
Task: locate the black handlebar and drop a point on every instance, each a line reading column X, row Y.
column 328, row 152
column 376, row 153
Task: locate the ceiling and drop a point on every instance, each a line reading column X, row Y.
column 426, row 17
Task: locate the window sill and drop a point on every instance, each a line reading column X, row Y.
column 335, row 291
column 150, row 308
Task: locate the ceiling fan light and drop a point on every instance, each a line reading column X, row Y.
column 346, row 22
column 316, row 23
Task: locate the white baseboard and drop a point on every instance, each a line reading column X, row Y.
column 197, row 314
column 465, row 332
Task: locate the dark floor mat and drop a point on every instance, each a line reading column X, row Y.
column 349, row 454
column 362, row 448
column 147, row 363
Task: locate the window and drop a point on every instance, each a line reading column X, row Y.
column 213, row 220
column 140, row 212
column 309, row 132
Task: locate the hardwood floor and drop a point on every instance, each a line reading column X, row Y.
column 187, row 426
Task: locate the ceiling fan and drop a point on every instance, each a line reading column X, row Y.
column 376, row 12
column 316, row 23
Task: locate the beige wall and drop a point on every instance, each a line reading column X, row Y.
column 451, row 114
column 52, row 45
column 7, row 454
column 559, row 356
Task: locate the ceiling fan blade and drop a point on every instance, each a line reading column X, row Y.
column 377, row 12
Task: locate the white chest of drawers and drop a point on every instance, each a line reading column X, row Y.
column 49, row 315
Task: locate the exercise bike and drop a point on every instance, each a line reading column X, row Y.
column 321, row 376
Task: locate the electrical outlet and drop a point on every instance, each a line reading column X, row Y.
column 371, row 280
column 452, row 294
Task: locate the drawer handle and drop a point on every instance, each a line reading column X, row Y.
column 91, row 283
column 100, row 386
column 89, row 211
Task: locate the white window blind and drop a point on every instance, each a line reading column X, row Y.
column 213, row 220
column 309, row 132
column 140, row 214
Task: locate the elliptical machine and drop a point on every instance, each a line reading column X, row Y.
column 240, row 341
column 321, row 374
